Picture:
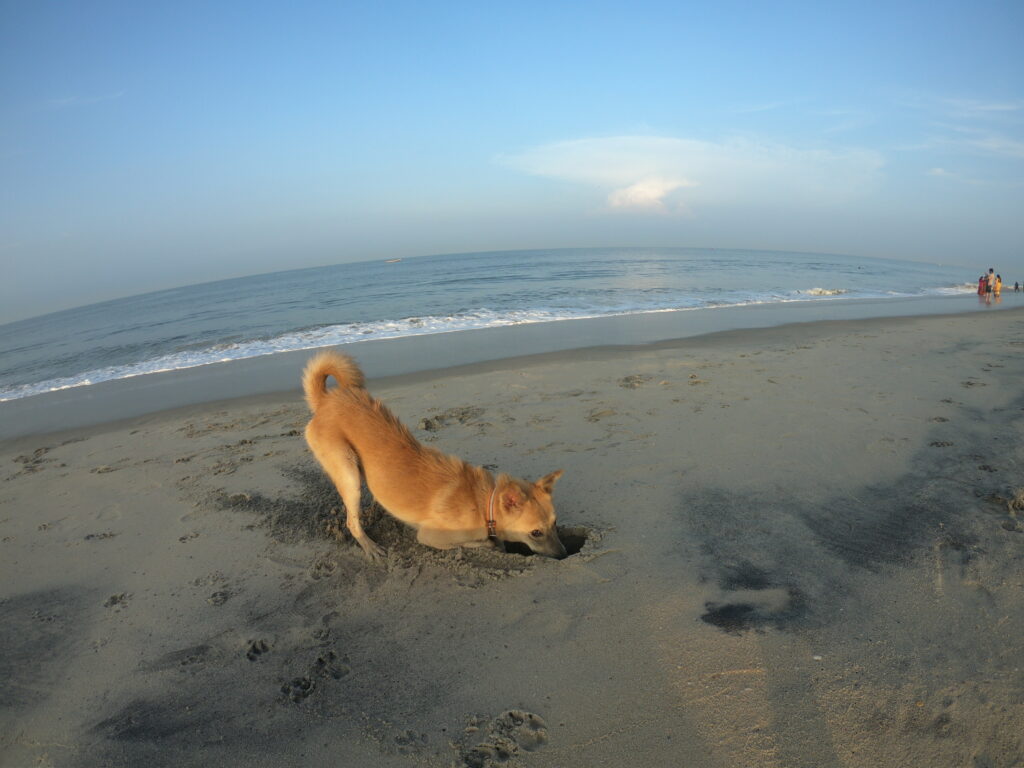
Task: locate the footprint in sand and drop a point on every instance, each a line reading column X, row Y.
column 256, row 649
column 223, row 467
column 324, row 566
column 186, row 657
column 462, row 415
column 596, row 414
column 220, row 597
column 298, row 689
column 544, row 396
column 410, row 742
column 117, row 601
column 328, row 666
column 506, row 736
column 634, row 380
column 99, row 536
column 34, row 462
column 107, row 468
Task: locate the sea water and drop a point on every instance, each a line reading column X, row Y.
column 326, row 306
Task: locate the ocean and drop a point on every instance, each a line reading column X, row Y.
column 326, row 306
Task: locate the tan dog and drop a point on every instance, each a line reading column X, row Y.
column 449, row 503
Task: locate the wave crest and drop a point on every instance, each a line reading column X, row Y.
column 824, row 292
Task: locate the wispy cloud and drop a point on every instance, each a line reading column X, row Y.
column 974, row 126
column 844, row 120
column 663, row 174
column 769, row 106
column 974, row 108
column 942, row 173
column 952, row 107
column 65, row 102
column 959, row 178
column 975, row 140
column 999, row 145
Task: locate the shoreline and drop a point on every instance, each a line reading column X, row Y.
column 120, row 399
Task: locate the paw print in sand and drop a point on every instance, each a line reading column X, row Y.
column 298, row 689
column 508, row 735
column 256, row 649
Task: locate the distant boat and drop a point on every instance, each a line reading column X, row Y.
column 391, row 261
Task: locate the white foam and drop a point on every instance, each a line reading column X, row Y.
column 824, row 292
column 333, row 335
column 954, row 290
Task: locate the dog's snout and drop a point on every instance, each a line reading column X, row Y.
column 556, row 548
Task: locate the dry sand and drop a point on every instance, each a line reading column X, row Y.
column 794, row 549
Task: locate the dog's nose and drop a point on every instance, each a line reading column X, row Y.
column 560, row 552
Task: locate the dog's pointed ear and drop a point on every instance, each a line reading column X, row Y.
column 547, row 483
column 512, row 498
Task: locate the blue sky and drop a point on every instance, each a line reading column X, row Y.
column 148, row 145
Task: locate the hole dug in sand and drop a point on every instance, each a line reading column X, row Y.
column 573, row 537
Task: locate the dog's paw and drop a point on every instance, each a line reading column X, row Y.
column 373, row 550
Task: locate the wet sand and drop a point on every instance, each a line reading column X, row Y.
column 792, row 547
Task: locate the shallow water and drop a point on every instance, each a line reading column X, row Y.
column 306, row 309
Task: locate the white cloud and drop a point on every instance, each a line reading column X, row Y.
column 646, row 194
column 675, row 174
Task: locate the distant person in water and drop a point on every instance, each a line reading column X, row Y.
column 981, row 285
column 999, row 285
column 1016, row 287
column 990, row 284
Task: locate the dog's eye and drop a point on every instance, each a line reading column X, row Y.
column 536, row 533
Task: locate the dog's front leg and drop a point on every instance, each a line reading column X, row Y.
column 497, row 544
column 450, row 539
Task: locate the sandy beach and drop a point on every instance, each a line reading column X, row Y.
column 792, row 546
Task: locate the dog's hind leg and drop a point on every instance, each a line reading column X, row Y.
column 343, row 468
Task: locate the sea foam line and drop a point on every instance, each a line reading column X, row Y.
column 348, row 333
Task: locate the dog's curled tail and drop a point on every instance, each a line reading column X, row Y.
column 314, row 379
